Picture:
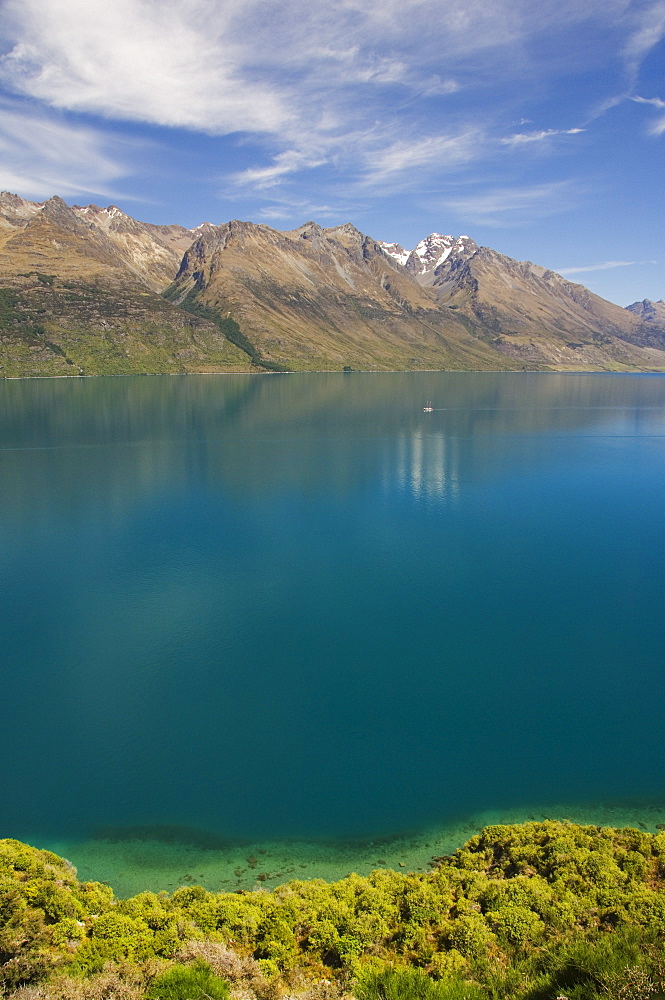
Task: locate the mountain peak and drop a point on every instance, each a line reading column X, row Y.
column 58, row 211
column 308, row 231
column 396, row 251
column 430, row 253
column 437, row 248
column 16, row 210
column 346, row 231
column 649, row 311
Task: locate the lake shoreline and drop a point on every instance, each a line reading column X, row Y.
column 131, row 865
column 356, row 371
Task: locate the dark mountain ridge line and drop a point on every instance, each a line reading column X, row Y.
column 90, row 290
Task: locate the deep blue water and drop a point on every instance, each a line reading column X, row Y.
column 298, row 605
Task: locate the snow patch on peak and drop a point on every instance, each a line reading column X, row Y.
column 429, row 255
column 431, row 252
column 396, row 251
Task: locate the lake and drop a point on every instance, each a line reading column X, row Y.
column 297, row 608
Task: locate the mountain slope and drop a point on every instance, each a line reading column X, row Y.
column 92, row 290
column 324, row 298
column 531, row 314
column 78, row 297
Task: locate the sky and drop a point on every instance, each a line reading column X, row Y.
column 537, row 128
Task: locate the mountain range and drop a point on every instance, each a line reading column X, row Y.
column 90, row 290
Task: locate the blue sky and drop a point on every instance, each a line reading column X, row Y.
column 537, row 128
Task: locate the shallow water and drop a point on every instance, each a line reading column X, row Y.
column 298, row 607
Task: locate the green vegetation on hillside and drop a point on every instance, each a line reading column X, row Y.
column 529, row 912
column 226, row 324
column 49, row 326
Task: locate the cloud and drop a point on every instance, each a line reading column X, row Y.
column 505, row 207
column 40, row 155
column 225, row 66
column 520, row 138
column 374, row 159
column 136, row 59
column 222, row 65
column 435, row 86
column 289, row 162
column 369, row 90
column 648, row 30
column 606, row 265
column 657, row 127
column 304, row 209
column 404, row 158
column 657, row 102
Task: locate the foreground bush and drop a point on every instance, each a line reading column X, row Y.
column 526, row 912
column 189, row 982
column 412, row 984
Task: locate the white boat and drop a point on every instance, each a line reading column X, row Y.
column 428, row 408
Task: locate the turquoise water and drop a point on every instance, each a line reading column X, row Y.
column 298, row 607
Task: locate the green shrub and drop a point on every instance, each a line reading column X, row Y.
column 412, row 984
column 471, row 935
column 189, row 982
column 516, row 924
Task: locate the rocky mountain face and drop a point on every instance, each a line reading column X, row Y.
column 430, row 254
column 652, row 312
column 105, row 235
column 652, row 315
column 92, row 290
column 324, row 298
column 531, row 314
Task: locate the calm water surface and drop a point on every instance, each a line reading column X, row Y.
column 298, row 605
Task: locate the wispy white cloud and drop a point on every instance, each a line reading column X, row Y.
column 226, row 65
column 162, row 62
column 435, row 86
column 506, row 207
column 377, row 160
column 606, row 265
column 242, row 65
column 40, row 155
column 400, row 159
column 657, row 102
column 520, row 138
column 304, row 209
column 646, row 31
column 657, row 127
column 346, row 85
column 289, row 162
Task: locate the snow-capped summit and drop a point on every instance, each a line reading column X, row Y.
column 431, row 252
column 396, row 251
column 436, row 248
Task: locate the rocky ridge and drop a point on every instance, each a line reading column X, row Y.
column 92, row 290
column 651, row 312
column 430, row 254
column 533, row 314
